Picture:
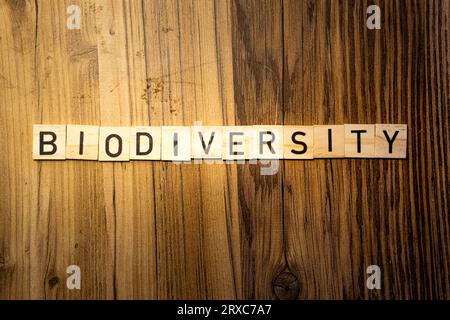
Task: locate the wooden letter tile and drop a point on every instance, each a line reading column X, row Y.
column 206, row 142
column 298, row 142
column 268, row 142
column 237, row 143
column 391, row 140
column 329, row 141
column 49, row 142
column 176, row 143
column 145, row 143
column 82, row 142
column 114, row 144
column 359, row 140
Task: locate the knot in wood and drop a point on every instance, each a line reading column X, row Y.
column 53, row 281
column 286, row 286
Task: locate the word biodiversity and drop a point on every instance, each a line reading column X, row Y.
column 182, row 143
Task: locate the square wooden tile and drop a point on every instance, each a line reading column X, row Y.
column 49, row 142
column 359, row 140
column 145, row 143
column 268, row 142
column 114, row 144
column 176, row 143
column 82, row 142
column 329, row 141
column 206, row 142
column 298, row 142
column 237, row 143
column 391, row 140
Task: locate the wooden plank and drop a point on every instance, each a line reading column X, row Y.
column 189, row 73
column 257, row 72
column 316, row 214
column 19, row 179
column 344, row 215
column 69, row 228
column 92, row 249
column 130, row 209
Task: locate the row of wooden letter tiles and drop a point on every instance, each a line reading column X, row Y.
column 182, row 143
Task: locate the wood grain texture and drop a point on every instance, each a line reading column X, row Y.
column 160, row 230
column 344, row 215
column 257, row 68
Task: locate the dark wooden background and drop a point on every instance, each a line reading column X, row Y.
column 156, row 230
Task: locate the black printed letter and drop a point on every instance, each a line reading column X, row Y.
column 138, row 143
column 358, row 139
column 119, row 148
column 235, row 143
column 206, row 148
column 51, row 142
column 390, row 140
column 269, row 143
column 305, row 147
